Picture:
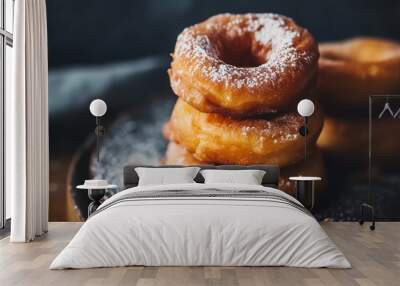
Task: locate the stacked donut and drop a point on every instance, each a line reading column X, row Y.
column 349, row 72
column 238, row 79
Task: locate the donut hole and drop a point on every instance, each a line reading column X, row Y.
column 245, row 59
column 243, row 52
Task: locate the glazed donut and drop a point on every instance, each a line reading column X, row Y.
column 351, row 70
column 211, row 137
column 178, row 155
column 346, row 140
column 243, row 64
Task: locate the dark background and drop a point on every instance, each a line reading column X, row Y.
column 97, row 31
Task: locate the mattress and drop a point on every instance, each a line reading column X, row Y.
column 201, row 225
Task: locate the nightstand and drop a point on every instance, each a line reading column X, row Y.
column 96, row 191
column 306, row 190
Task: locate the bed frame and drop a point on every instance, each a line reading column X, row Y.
column 271, row 177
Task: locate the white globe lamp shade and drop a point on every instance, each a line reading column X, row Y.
column 98, row 107
column 305, row 107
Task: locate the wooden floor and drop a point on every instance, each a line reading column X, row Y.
column 375, row 257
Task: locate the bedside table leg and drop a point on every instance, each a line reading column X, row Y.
column 363, row 211
column 95, row 196
column 305, row 193
column 92, row 207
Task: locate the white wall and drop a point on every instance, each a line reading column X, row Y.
column 8, row 85
column 9, row 27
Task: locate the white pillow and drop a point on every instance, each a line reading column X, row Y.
column 248, row 177
column 162, row 176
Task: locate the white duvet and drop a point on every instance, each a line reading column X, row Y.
column 192, row 231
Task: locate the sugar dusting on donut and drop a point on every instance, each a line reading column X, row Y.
column 287, row 131
column 269, row 29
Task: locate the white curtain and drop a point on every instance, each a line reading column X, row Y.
column 27, row 147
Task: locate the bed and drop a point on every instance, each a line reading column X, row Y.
column 201, row 224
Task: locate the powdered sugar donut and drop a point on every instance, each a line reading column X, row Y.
column 211, row 137
column 243, row 64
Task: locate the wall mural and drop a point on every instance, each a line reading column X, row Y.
column 120, row 53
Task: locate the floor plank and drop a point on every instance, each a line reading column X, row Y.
column 375, row 257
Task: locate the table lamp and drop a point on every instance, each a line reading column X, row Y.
column 96, row 187
column 305, row 108
column 98, row 108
